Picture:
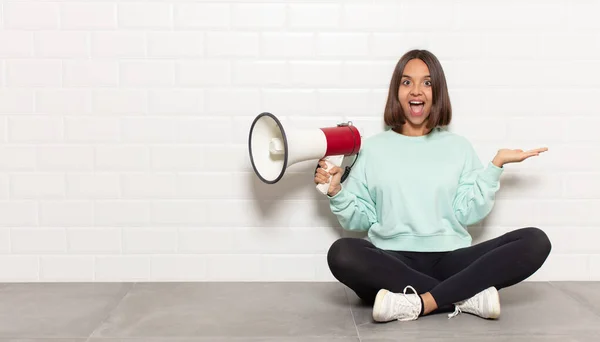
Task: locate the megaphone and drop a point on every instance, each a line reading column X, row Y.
column 273, row 149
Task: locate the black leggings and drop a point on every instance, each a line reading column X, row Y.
column 449, row 276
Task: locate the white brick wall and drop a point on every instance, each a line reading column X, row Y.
column 123, row 127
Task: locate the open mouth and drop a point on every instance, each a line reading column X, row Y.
column 416, row 107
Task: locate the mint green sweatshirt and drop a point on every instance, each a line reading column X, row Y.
column 416, row 193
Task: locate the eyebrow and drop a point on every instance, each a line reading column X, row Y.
column 426, row 76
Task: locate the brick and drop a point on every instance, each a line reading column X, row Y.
column 92, row 129
column 316, row 73
column 16, row 44
column 118, row 44
column 260, row 73
column 277, row 268
column 342, row 45
column 582, row 185
column 206, row 240
column 475, row 16
column 563, row 267
column 460, row 45
column 4, row 188
column 147, row 73
column 19, row 268
column 67, row 268
column 314, row 16
column 91, row 73
column 65, row 158
column 31, row 15
column 213, row 185
column 88, row 15
column 149, row 240
column 150, row 130
column 232, row 44
column 33, row 73
column 122, row 268
column 582, row 130
column 145, row 15
column 175, row 44
column 21, row 158
column 371, row 16
column 176, row 101
column 234, row 267
column 38, row 240
column 18, row 213
column 149, row 186
column 343, row 102
column 177, row 213
column 17, row 101
column 477, row 129
column 199, row 15
column 4, row 241
column 35, row 129
column 361, row 74
column 66, row 213
column 37, row 186
column 204, row 72
column 221, row 101
column 440, row 16
column 393, row 45
column 205, row 130
column 93, row 186
column 62, row 44
column 63, row 101
column 288, row 102
column 122, row 158
column 530, row 185
column 119, row 102
column 271, row 16
column 101, row 240
column 178, row 268
column 288, row 44
column 223, row 158
column 120, row 213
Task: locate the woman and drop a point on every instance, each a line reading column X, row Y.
column 415, row 188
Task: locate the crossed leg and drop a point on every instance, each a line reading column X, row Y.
column 455, row 276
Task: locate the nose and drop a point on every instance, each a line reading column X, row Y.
column 416, row 89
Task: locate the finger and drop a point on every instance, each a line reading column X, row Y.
column 538, row 150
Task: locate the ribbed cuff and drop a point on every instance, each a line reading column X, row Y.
column 492, row 173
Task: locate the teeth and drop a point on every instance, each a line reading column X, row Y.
column 415, row 102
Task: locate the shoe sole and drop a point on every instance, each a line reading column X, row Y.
column 377, row 305
column 494, row 305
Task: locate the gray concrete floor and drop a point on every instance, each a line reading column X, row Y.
column 287, row 312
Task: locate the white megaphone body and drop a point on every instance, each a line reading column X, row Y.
column 273, row 149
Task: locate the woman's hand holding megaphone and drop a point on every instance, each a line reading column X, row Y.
column 323, row 175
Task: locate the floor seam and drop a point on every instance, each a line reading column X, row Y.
column 352, row 313
column 110, row 312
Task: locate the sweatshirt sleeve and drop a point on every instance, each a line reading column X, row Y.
column 353, row 205
column 477, row 189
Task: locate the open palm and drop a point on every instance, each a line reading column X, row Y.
column 518, row 155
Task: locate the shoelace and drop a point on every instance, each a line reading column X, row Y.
column 415, row 306
column 457, row 311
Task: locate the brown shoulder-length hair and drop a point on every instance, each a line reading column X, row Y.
column 441, row 110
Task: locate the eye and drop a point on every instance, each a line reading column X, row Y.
column 428, row 83
column 405, row 82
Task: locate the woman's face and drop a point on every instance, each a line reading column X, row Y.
column 415, row 93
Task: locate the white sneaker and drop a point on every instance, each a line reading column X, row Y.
column 485, row 304
column 391, row 306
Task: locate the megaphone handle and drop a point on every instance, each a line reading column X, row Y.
column 331, row 161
